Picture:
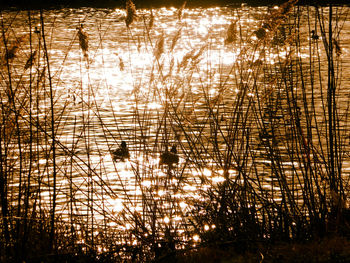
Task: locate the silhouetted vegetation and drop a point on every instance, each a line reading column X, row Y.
column 266, row 146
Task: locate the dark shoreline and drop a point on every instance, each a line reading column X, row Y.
column 42, row 4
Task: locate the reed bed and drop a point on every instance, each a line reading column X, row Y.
column 263, row 151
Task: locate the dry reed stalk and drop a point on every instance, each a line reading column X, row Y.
column 159, row 49
column 180, row 11
column 198, row 54
column 273, row 20
column 287, row 7
column 53, row 140
column 231, row 34
column 151, row 20
column 28, row 189
column 175, row 39
column 121, row 64
column 30, row 60
column 83, row 39
column 233, row 198
column 191, row 58
column 130, row 13
column 337, row 47
column 185, row 59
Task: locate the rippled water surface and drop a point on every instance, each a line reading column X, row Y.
column 175, row 83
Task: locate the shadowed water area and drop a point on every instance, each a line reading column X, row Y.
column 241, row 93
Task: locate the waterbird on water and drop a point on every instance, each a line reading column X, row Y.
column 121, row 153
column 36, row 30
column 169, row 158
column 314, row 36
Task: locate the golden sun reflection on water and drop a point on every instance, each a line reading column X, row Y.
column 123, row 93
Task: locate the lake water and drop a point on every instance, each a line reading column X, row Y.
column 173, row 83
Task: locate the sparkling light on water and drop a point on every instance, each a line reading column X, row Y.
column 120, row 91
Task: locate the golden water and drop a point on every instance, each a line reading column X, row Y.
column 120, row 91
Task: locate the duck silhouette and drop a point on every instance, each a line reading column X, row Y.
column 36, row 30
column 121, row 153
column 169, row 158
column 314, row 36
